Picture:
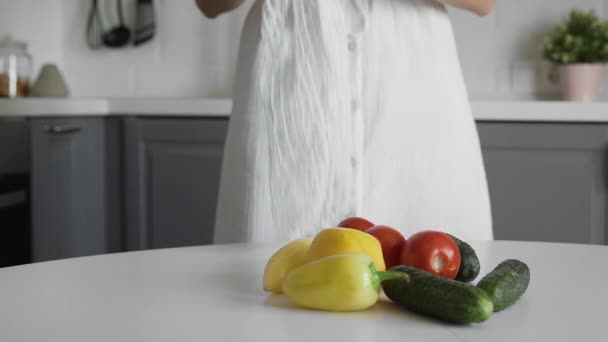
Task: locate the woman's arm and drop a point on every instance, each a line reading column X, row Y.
column 213, row 8
column 480, row 7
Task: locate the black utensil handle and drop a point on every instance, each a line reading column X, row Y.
column 92, row 20
column 96, row 13
column 119, row 9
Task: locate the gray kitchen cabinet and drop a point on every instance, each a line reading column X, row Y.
column 172, row 177
column 547, row 180
column 75, row 195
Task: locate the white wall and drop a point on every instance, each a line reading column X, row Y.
column 189, row 57
column 500, row 53
column 192, row 56
column 37, row 23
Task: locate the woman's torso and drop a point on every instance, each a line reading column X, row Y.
column 350, row 107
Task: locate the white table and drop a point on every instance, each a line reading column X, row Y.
column 214, row 294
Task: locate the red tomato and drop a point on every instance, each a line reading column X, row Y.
column 432, row 251
column 357, row 223
column 391, row 241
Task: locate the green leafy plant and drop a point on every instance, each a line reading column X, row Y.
column 581, row 38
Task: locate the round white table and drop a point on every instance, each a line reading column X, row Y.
column 214, row 293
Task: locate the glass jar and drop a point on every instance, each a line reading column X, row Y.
column 15, row 68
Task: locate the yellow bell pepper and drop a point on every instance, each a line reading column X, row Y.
column 284, row 260
column 332, row 241
column 342, row 282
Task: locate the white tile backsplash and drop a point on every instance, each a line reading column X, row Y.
column 522, row 24
column 35, row 22
column 173, row 80
column 475, row 38
column 525, row 77
column 193, row 56
column 109, row 79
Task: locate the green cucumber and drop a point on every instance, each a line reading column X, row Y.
column 506, row 283
column 469, row 263
column 438, row 297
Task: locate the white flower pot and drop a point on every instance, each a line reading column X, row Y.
column 581, row 82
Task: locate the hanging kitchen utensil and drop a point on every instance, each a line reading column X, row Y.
column 94, row 27
column 119, row 35
column 145, row 26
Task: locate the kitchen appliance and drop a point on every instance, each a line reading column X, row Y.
column 15, row 244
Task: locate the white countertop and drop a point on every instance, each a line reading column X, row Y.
column 543, row 111
column 115, row 106
column 483, row 110
column 214, row 293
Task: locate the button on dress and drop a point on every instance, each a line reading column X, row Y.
column 350, row 107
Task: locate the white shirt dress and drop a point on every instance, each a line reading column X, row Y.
column 350, row 108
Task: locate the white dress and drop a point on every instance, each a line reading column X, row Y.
column 350, row 107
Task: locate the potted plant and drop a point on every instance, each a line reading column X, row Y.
column 578, row 47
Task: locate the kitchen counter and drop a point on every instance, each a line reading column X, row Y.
column 483, row 110
column 540, row 111
column 115, row 107
column 214, row 293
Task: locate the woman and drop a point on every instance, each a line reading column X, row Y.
column 350, row 108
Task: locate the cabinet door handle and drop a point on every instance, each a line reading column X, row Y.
column 62, row 130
